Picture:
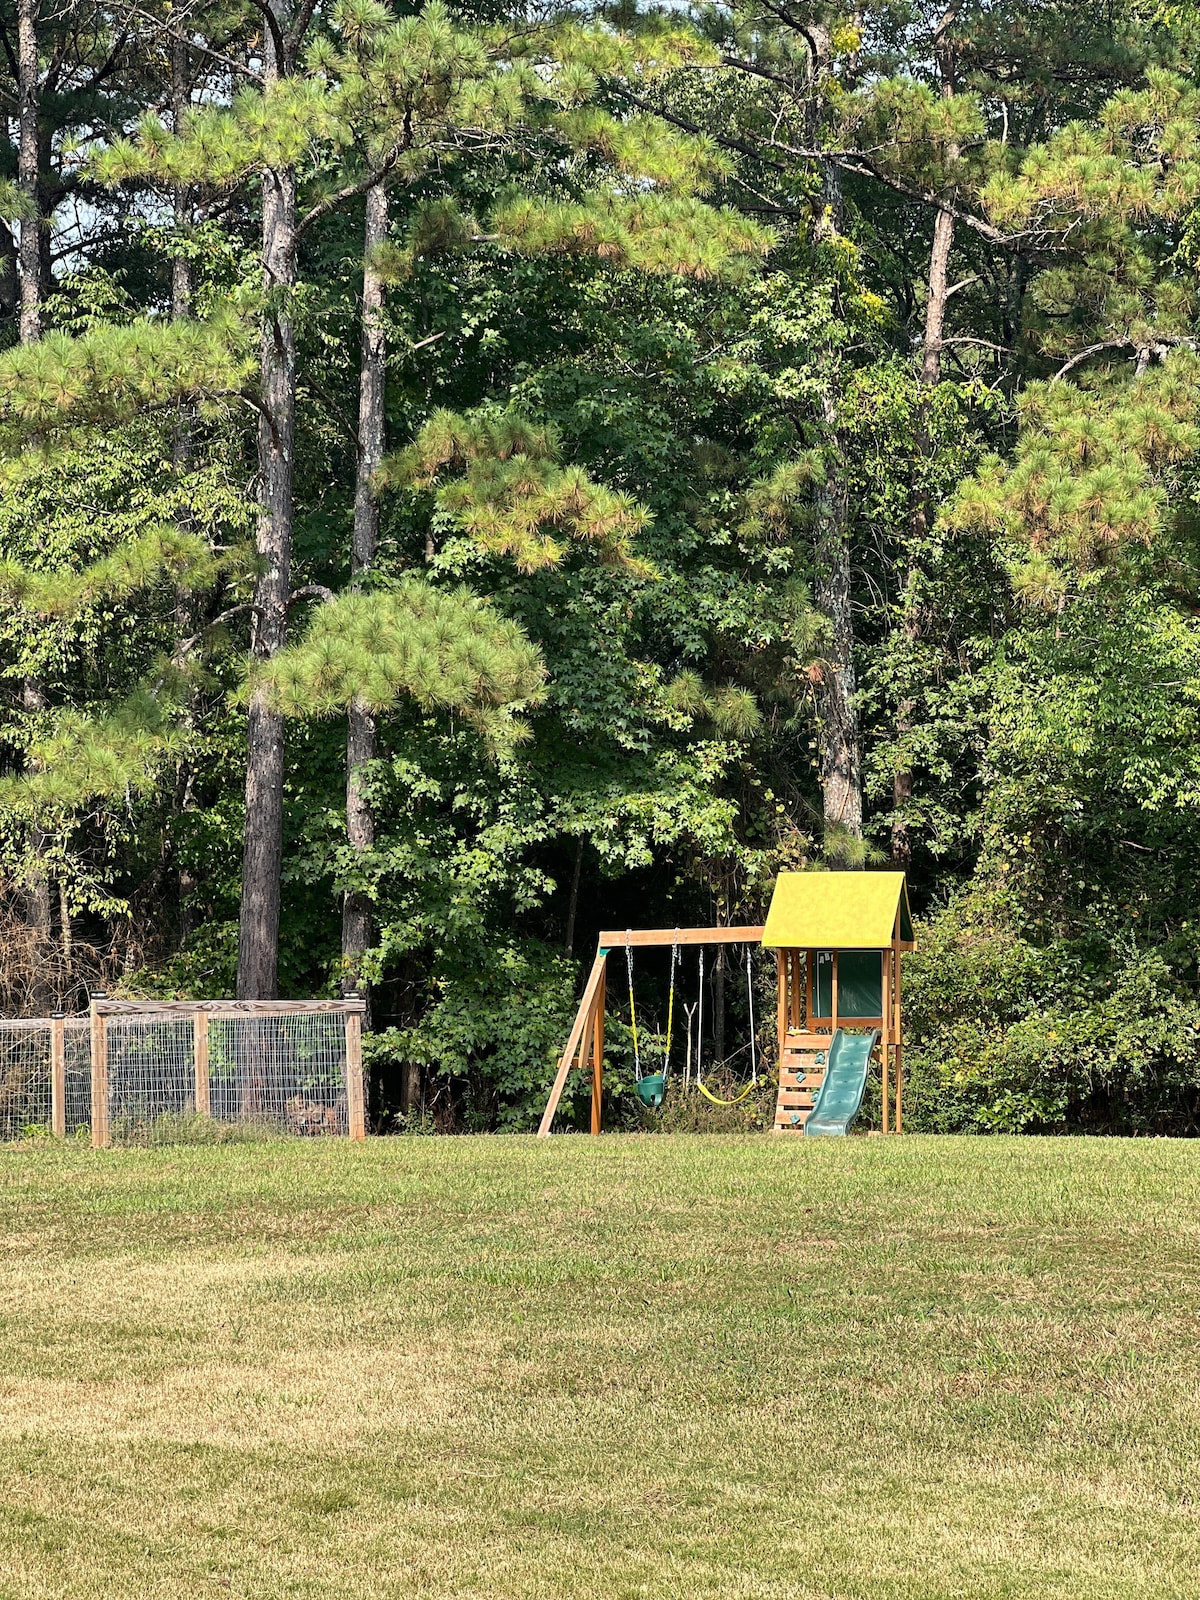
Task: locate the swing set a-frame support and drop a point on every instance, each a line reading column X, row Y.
column 586, row 1040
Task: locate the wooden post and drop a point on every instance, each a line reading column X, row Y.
column 58, row 1077
column 781, row 1015
column 200, row 1062
column 810, row 968
column 356, row 1117
column 833, row 995
column 885, row 962
column 99, row 1035
column 598, row 1055
column 567, row 1060
column 899, row 1048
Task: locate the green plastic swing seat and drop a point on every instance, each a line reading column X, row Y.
column 651, row 1089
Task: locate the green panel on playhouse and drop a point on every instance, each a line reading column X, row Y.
column 860, row 983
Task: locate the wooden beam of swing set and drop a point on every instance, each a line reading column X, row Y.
column 669, row 936
column 587, row 1031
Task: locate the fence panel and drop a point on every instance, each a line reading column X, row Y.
column 287, row 1073
column 25, row 1086
column 151, row 1087
column 77, row 1076
column 290, row 1067
column 154, row 1072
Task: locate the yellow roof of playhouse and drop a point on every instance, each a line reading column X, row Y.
column 837, row 911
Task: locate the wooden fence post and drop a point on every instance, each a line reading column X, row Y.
column 355, row 1098
column 99, row 1078
column 200, row 1062
column 58, row 1076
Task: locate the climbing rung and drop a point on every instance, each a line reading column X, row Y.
column 801, row 1074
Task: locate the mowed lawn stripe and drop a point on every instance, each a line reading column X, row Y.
column 676, row 1366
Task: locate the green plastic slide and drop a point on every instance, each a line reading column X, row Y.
column 841, row 1093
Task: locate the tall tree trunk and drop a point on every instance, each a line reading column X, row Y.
column 573, row 899
column 262, row 853
column 921, row 513
column 182, row 441
column 181, row 267
column 28, row 162
column 38, row 891
column 918, row 527
column 839, row 760
column 840, row 763
column 837, row 708
column 360, row 729
column 38, row 888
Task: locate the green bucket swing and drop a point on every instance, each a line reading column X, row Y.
column 650, row 1087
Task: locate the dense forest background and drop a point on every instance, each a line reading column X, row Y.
column 474, row 475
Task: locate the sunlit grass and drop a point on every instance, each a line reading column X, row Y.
column 663, row 1367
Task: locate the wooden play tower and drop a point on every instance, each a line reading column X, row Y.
column 838, row 938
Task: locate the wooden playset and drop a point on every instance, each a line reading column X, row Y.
column 838, row 938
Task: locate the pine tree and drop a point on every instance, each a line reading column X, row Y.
column 312, row 142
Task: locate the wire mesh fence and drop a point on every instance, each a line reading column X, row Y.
column 151, row 1078
column 185, row 1068
column 25, row 1078
column 77, row 1077
column 287, row 1073
column 152, row 1073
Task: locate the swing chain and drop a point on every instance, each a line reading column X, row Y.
column 671, row 1004
column 637, row 1058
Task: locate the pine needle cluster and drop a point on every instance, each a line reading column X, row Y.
column 447, row 650
column 165, row 553
column 103, row 757
column 651, row 232
column 732, row 711
column 1092, row 473
column 62, row 384
column 1087, row 196
column 511, row 493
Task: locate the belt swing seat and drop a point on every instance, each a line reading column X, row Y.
column 753, row 1083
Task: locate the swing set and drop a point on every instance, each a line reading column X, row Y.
column 651, row 1087
column 585, row 1045
column 838, row 938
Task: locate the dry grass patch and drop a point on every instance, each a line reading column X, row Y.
column 671, row 1367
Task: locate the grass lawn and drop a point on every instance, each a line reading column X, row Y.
column 620, row 1368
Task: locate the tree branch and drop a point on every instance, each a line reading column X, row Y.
column 182, row 37
column 349, row 191
column 1159, row 345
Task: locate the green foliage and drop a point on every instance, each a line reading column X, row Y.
column 653, row 233
column 1009, row 1036
column 515, row 497
column 447, row 649
column 492, row 1035
column 62, row 385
